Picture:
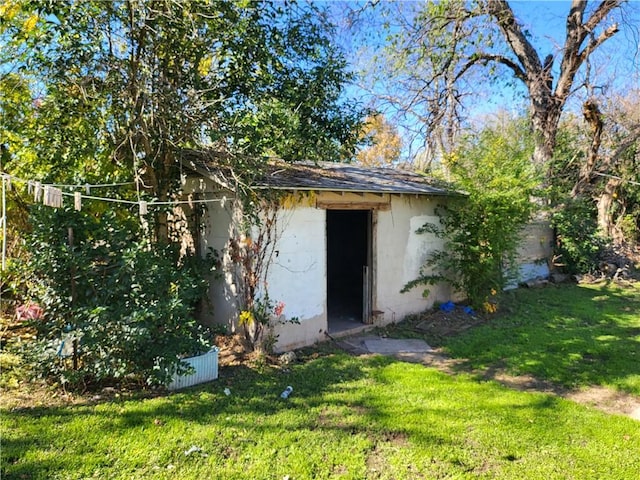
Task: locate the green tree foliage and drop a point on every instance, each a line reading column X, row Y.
column 594, row 193
column 481, row 231
column 614, row 178
column 384, row 141
column 121, row 87
column 578, row 242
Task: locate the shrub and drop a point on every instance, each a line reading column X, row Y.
column 116, row 307
column 578, row 244
column 629, row 229
column 481, row 231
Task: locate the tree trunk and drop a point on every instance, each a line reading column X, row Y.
column 593, row 117
column 547, row 102
column 605, row 202
column 545, row 129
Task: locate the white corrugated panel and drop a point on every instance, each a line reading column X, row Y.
column 206, row 369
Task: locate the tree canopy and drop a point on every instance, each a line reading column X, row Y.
column 98, row 89
column 115, row 92
column 384, row 142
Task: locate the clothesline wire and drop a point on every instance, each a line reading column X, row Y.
column 89, row 185
column 64, row 185
column 104, row 199
column 7, row 178
column 117, row 200
column 151, row 203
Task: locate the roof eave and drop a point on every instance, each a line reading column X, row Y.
column 361, row 191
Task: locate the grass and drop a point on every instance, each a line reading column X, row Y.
column 347, row 418
column 363, row 417
column 573, row 335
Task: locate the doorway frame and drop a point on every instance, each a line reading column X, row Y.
column 369, row 293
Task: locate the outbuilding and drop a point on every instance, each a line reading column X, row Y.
column 344, row 245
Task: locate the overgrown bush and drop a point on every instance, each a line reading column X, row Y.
column 578, row 244
column 12, row 285
column 481, row 231
column 116, row 307
column 629, row 229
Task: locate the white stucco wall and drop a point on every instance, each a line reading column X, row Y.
column 297, row 274
column 534, row 252
column 219, row 307
column 400, row 252
column 298, row 277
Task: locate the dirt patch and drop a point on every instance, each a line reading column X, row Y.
column 524, row 383
column 435, row 359
column 233, row 350
column 602, row 398
column 377, row 459
column 608, row 400
column 397, row 439
column 376, row 463
column 28, row 396
column 438, row 324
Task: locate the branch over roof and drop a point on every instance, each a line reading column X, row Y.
column 321, row 176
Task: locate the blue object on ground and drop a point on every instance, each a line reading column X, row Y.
column 469, row 310
column 447, row 306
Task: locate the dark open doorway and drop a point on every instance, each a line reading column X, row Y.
column 348, row 253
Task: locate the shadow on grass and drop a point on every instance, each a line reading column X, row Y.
column 569, row 335
column 40, row 432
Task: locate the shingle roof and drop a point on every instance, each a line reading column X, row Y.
column 330, row 176
column 352, row 178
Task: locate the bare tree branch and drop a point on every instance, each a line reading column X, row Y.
column 593, row 117
column 577, row 32
column 521, row 47
column 485, row 58
column 596, row 42
column 631, row 138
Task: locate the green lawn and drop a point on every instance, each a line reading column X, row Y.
column 363, row 417
column 572, row 335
